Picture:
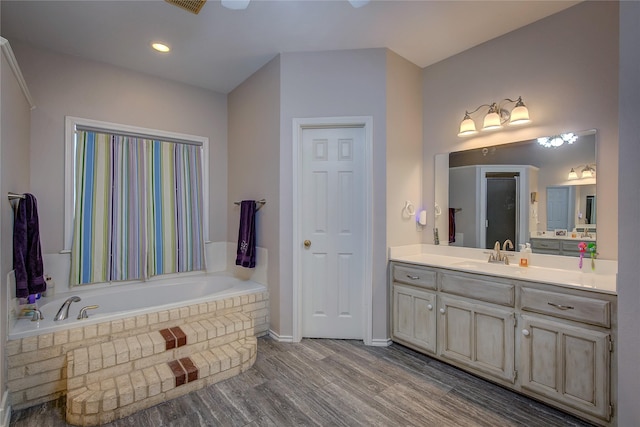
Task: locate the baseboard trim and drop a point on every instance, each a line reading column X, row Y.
column 5, row 410
column 280, row 338
column 381, row 342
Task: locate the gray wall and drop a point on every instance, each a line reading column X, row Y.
column 68, row 85
column 564, row 68
column 254, row 165
column 404, row 149
column 14, row 177
column 333, row 84
column 629, row 232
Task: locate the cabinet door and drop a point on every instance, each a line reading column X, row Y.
column 570, row 365
column 478, row 336
column 414, row 317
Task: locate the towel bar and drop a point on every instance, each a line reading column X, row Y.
column 260, row 203
column 13, row 196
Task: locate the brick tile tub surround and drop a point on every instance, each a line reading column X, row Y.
column 37, row 365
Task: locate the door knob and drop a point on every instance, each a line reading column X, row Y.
column 307, row 243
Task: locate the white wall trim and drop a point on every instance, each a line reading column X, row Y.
column 280, row 338
column 299, row 124
column 13, row 63
column 381, row 342
column 69, row 162
column 5, row 410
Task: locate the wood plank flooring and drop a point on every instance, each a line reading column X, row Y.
column 335, row 383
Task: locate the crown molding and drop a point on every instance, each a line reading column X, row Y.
column 13, row 63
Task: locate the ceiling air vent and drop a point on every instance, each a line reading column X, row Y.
column 192, row 6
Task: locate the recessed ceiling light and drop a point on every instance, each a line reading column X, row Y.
column 160, row 47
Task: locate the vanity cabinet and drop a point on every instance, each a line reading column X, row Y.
column 478, row 336
column 550, row 342
column 414, row 307
column 567, row 365
column 549, row 246
column 414, row 321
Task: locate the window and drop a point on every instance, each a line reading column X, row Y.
column 135, row 202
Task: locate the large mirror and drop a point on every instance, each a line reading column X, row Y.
column 538, row 192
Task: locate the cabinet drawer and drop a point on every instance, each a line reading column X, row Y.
column 571, row 307
column 545, row 244
column 414, row 276
column 483, row 290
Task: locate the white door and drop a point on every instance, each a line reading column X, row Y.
column 332, row 230
column 558, row 208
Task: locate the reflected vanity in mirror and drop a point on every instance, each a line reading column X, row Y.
column 541, row 192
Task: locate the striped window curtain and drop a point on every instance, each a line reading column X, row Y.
column 138, row 210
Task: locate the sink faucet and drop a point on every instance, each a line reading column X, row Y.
column 63, row 313
column 496, row 256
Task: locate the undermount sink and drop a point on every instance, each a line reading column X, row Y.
column 488, row 267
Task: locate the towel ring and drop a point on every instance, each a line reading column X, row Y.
column 409, row 210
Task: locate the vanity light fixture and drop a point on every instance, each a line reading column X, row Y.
column 572, row 174
column 556, row 141
column 496, row 116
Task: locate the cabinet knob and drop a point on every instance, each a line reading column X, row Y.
column 307, row 244
column 429, row 307
column 442, row 310
column 525, row 332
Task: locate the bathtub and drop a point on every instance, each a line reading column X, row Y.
column 118, row 301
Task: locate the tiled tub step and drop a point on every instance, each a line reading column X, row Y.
column 112, row 380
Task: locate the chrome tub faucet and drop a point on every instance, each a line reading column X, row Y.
column 63, row 313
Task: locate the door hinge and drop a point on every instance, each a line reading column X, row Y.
column 610, row 410
column 515, row 375
column 610, row 344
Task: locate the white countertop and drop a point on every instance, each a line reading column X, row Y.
column 551, row 269
column 567, row 237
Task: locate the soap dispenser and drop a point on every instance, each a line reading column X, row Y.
column 524, row 258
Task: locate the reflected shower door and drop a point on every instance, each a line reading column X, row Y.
column 502, row 209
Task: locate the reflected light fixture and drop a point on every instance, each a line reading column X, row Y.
column 496, row 116
column 556, row 141
column 589, row 171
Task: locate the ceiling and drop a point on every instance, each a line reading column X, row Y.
column 219, row 48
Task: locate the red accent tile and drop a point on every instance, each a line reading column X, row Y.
column 178, row 372
column 169, row 339
column 192, row 370
column 181, row 337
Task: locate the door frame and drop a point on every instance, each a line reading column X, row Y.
column 299, row 125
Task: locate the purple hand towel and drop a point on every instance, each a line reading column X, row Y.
column 246, row 254
column 27, row 256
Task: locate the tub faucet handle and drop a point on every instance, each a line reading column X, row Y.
column 83, row 311
column 37, row 315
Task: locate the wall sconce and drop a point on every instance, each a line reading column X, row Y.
column 587, row 172
column 556, row 141
column 496, row 116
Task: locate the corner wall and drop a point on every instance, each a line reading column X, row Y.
column 628, row 349
column 69, row 85
column 564, row 67
column 404, row 150
column 254, row 166
column 14, row 176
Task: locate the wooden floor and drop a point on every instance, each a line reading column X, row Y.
column 335, row 383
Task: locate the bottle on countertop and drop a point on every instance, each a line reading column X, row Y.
column 524, row 256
